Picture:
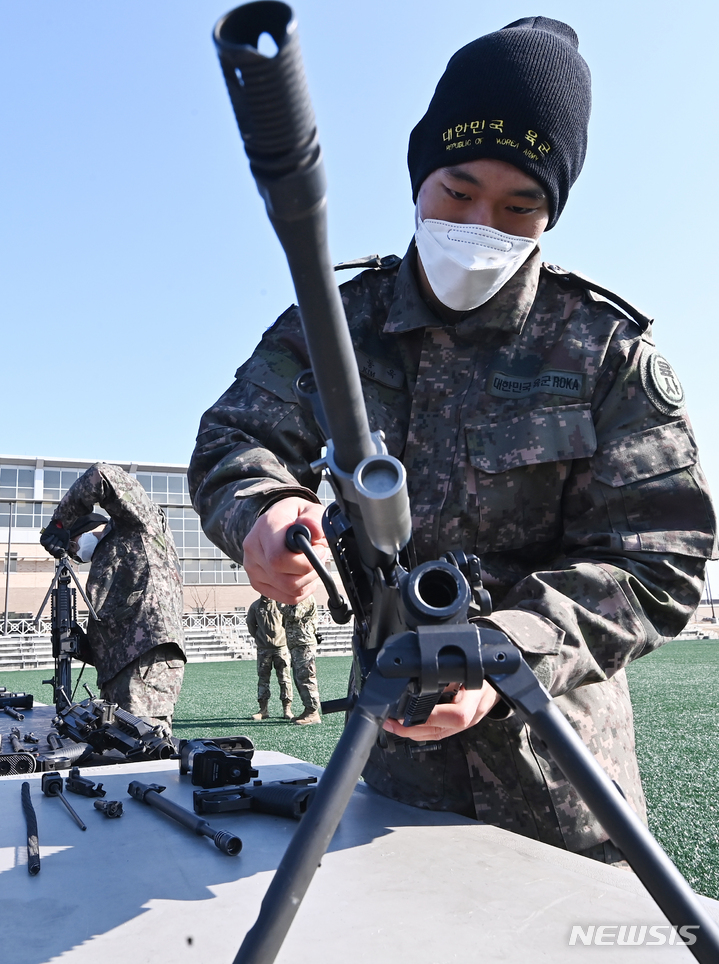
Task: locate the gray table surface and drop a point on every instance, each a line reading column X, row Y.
column 397, row 883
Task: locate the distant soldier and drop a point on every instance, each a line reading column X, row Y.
column 135, row 587
column 264, row 624
column 300, row 626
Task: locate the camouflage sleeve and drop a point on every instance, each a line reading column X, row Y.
column 638, row 529
column 109, row 486
column 306, row 611
column 255, row 445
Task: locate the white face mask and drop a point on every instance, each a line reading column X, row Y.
column 466, row 264
column 86, row 545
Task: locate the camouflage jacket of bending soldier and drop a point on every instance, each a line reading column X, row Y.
column 300, row 622
column 542, row 432
column 134, row 583
column 265, row 625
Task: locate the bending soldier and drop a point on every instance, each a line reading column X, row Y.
column 300, row 627
column 135, row 587
column 264, row 624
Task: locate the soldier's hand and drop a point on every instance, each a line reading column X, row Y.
column 272, row 569
column 55, row 539
column 467, row 708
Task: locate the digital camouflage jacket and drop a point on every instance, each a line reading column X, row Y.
column 542, row 432
column 300, row 623
column 134, row 583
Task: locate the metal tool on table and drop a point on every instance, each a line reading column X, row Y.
column 279, row 798
column 52, row 787
column 33, row 847
column 149, row 793
column 15, row 701
column 218, row 762
column 82, row 786
column 111, row 808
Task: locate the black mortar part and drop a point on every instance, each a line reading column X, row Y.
column 111, row 808
column 149, row 793
column 82, row 786
column 52, row 787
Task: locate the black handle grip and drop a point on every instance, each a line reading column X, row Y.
column 293, row 543
column 297, row 539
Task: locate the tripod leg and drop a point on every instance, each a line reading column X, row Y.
column 312, row 837
column 73, row 574
column 661, row 878
column 44, row 603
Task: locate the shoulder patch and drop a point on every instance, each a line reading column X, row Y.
column 661, row 384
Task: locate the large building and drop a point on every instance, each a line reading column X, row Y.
column 30, row 488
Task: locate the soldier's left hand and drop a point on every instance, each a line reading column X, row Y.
column 467, row 708
column 55, row 539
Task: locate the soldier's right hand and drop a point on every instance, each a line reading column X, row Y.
column 272, row 569
column 55, row 539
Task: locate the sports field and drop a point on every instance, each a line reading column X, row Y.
column 675, row 694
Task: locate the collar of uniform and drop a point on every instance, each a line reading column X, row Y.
column 507, row 310
column 409, row 310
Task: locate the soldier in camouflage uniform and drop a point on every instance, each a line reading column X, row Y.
column 265, row 625
column 540, row 429
column 135, row 587
column 301, row 628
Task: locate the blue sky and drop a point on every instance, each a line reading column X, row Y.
column 137, row 266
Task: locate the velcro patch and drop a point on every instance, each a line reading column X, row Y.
column 570, row 384
column 661, row 384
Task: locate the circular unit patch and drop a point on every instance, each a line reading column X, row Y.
column 661, row 384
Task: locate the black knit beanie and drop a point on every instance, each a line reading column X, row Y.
column 521, row 95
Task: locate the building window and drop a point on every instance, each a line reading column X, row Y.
column 26, row 515
column 13, row 562
column 166, row 488
column 213, row 572
column 189, row 538
column 58, row 481
column 17, row 482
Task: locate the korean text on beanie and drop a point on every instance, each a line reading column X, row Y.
column 521, row 95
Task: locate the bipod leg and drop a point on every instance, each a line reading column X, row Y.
column 316, row 829
column 672, row 893
column 44, row 603
column 73, row 575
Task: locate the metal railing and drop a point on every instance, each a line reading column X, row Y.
column 221, row 621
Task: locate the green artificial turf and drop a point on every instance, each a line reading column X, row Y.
column 674, row 692
column 220, row 698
